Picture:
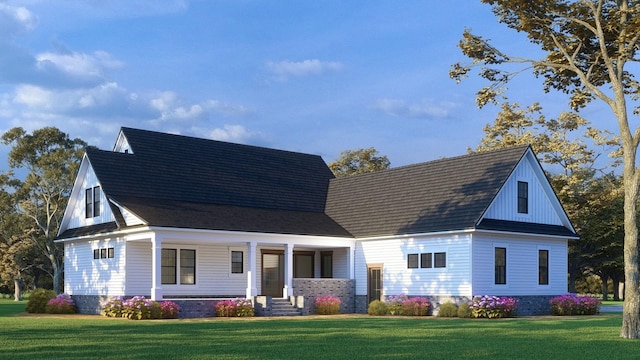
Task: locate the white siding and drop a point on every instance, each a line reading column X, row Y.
column 522, row 266
column 340, row 263
column 541, row 209
column 85, row 275
column 76, row 205
column 453, row 280
column 138, row 268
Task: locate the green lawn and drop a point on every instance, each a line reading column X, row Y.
column 352, row 337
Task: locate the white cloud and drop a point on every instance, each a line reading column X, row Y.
column 15, row 20
column 285, row 69
column 424, row 109
column 233, row 133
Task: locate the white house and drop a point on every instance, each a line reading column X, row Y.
column 196, row 220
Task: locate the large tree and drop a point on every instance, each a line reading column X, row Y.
column 51, row 160
column 587, row 47
column 359, row 161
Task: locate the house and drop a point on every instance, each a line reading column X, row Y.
column 196, row 221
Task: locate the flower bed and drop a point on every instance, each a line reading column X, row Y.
column 140, row 308
column 61, row 304
column 327, row 305
column 493, row 307
column 401, row 305
column 572, row 304
column 234, row 308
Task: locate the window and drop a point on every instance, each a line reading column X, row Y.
column 103, row 253
column 96, row 254
column 92, row 202
column 523, row 197
column 110, row 253
column 237, row 262
column 412, row 261
column 168, row 266
column 426, row 260
column 500, row 265
column 440, row 259
column 326, row 264
column 187, row 267
column 543, row 267
column 303, row 264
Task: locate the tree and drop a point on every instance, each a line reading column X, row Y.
column 51, row 160
column 587, row 47
column 359, row 161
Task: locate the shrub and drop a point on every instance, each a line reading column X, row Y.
column 113, row 307
column 169, row 310
column 416, row 306
column 395, row 304
column 38, row 300
column 327, row 305
column 233, row 308
column 61, row 304
column 493, row 306
column 464, row 311
column 137, row 308
column 572, row 304
column 377, row 307
column 448, row 309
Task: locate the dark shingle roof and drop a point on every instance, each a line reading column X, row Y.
column 441, row 195
column 180, row 181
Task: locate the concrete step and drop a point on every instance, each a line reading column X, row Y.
column 282, row 307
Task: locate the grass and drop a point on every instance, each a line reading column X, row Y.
column 350, row 337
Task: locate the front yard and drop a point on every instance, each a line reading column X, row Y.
column 318, row 337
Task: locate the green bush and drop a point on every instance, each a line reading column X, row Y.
column 61, row 304
column 464, row 311
column 448, row 309
column 377, row 307
column 113, row 307
column 38, row 300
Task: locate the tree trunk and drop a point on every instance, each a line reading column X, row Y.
column 57, row 277
column 605, row 286
column 631, row 309
column 17, row 292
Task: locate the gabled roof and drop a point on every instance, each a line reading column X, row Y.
column 442, row 195
column 186, row 182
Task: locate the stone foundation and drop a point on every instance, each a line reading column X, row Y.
column 89, row 304
column 310, row 289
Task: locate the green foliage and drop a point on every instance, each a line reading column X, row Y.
column 359, row 161
column 464, row 311
column 327, row 305
column 416, row 306
column 448, row 309
column 38, row 300
column 113, row 307
column 139, row 308
column 377, row 308
column 234, row 308
column 61, row 304
column 572, row 304
column 493, row 307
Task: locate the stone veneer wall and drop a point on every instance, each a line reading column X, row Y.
column 345, row 289
column 90, row 304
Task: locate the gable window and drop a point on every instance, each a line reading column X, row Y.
column 412, row 261
column 523, row 197
column 426, row 260
column 326, row 264
column 543, row 267
column 440, row 260
column 500, row 265
column 237, row 262
column 92, row 202
column 187, row 267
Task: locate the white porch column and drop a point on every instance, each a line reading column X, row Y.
column 288, row 271
column 156, row 267
column 252, row 288
column 352, row 262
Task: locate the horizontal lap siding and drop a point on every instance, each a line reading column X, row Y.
column 454, row 280
column 77, row 204
column 522, row 266
column 85, row 275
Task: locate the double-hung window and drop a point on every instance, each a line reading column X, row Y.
column 500, row 265
column 543, row 267
column 92, row 202
column 523, row 197
column 174, row 268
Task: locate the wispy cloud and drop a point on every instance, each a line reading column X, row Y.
column 423, row 109
column 15, row 20
column 283, row 70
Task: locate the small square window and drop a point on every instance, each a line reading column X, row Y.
column 426, row 260
column 96, row 254
column 103, row 253
column 412, row 261
column 110, row 253
column 440, row 259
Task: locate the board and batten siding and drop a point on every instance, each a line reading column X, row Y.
column 77, row 204
column 85, row 275
column 505, row 206
column 397, row 278
column 213, row 271
column 522, row 265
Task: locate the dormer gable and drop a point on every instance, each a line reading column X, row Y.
column 122, row 144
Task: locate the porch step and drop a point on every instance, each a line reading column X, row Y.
column 282, row 307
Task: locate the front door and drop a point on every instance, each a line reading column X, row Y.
column 374, row 280
column 272, row 274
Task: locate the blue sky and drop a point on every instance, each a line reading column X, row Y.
column 317, row 77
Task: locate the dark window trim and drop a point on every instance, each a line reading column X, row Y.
column 523, row 197
column 96, row 201
column 543, row 267
column 440, row 260
column 326, row 270
column 237, row 267
column 88, row 203
column 173, row 267
column 426, row 260
column 412, row 261
column 187, row 269
column 500, row 259
column 96, row 254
